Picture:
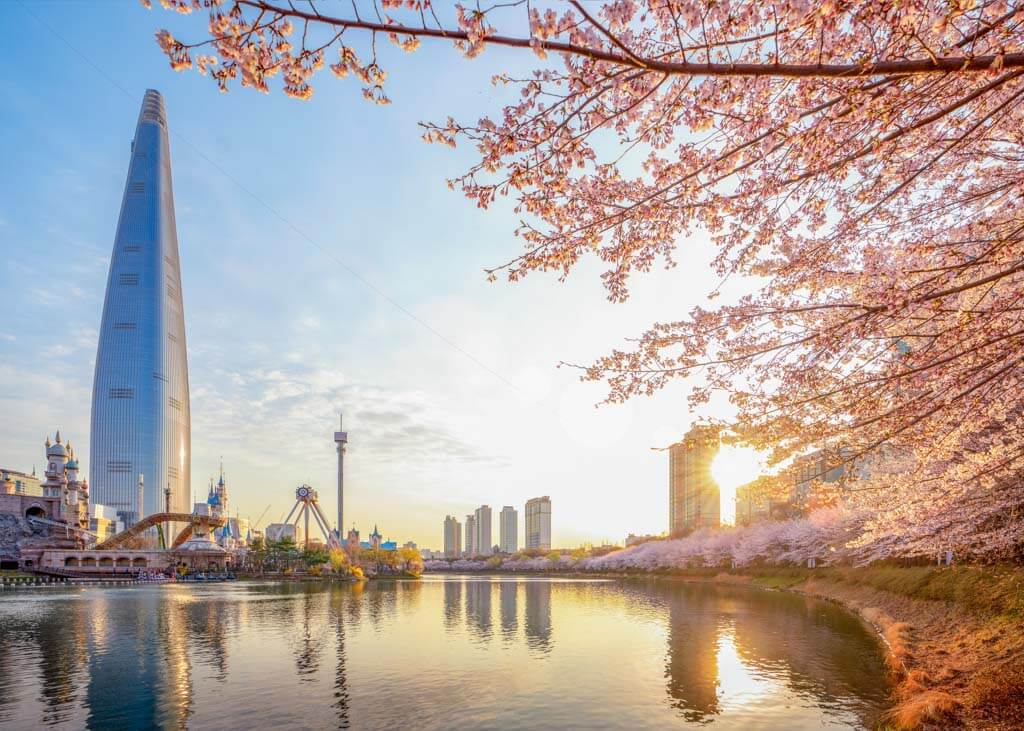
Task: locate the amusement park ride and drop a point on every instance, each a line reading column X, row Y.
column 306, row 503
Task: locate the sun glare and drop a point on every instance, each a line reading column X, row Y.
column 732, row 467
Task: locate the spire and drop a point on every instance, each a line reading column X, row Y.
column 48, row 444
column 58, row 436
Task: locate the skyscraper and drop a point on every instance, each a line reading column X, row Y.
column 471, row 547
column 140, row 400
column 508, row 529
column 693, row 497
column 482, row 516
column 538, row 523
column 452, row 537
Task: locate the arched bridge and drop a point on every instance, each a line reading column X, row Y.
column 156, row 518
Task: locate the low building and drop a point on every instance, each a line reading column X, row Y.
column 103, row 522
column 635, row 540
column 280, row 531
column 56, row 518
column 24, row 484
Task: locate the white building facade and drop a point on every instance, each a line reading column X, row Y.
column 452, row 537
column 508, row 529
column 538, row 523
column 482, row 516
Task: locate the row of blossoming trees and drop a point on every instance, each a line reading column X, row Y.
column 826, row 535
column 858, row 165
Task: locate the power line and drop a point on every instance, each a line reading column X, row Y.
column 280, row 217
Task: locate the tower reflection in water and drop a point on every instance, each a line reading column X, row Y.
column 442, row 653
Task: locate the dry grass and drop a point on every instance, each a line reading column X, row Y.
column 1001, row 689
column 923, row 709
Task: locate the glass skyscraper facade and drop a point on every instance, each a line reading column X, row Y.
column 140, row 399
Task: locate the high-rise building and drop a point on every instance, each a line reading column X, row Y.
column 452, row 537
column 693, row 498
column 482, row 516
column 508, row 529
column 538, row 523
column 140, row 399
column 471, row 546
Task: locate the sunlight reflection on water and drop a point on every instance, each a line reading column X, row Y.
column 444, row 652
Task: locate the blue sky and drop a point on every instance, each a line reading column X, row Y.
column 278, row 203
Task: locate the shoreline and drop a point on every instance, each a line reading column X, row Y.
column 953, row 637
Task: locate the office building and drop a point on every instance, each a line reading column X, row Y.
column 140, row 399
column 538, row 523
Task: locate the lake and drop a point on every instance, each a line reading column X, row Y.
column 445, row 652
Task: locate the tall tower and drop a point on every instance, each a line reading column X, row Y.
column 693, row 495
column 341, row 439
column 140, row 400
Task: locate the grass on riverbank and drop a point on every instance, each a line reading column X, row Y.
column 954, row 635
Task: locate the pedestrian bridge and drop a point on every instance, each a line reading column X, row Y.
column 191, row 521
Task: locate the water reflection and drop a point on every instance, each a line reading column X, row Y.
column 726, row 652
column 538, row 616
column 434, row 655
column 452, row 604
column 478, row 608
column 341, row 693
column 509, row 591
column 692, row 662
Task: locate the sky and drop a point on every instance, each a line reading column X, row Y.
column 326, row 268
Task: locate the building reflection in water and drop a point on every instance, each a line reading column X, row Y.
column 478, row 608
column 452, row 604
column 509, row 593
column 170, row 657
column 730, row 648
column 538, row 615
column 692, row 662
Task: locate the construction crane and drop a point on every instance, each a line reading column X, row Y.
column 257, row 523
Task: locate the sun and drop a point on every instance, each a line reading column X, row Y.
column 732, row 467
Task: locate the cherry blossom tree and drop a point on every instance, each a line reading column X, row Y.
column 859, row 163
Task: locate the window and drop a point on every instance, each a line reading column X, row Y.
column 175, row 403
column 134, row 188
column 128, row 280
column 124, row 326
column 119, row 466
column 160, row 376
column 132, row 248
column 122, row 393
